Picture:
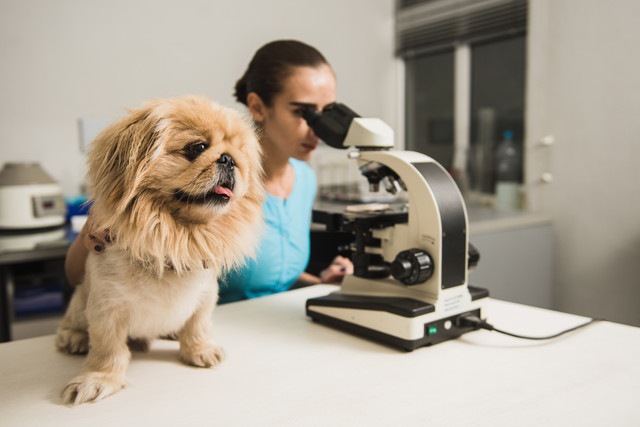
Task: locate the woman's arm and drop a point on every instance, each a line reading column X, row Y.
column 308, row 279
column 334, row 273
column 75, row 259
column 74, row 263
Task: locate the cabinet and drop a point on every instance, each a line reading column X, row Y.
column 516, row 257
column 32, row 281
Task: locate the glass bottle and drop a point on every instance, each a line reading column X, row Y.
column 508, row 163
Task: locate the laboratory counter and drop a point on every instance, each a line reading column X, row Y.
column 282, row 369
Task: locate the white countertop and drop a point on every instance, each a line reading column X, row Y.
column 285, row 370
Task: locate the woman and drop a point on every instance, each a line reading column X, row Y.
column 283, row 77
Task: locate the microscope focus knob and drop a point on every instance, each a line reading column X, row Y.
column 412, row 267
column 473, row 256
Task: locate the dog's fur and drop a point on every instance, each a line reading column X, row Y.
column 178, row 183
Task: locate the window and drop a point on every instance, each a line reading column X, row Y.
column 497, row 106
column 465, row 82
column 429, row 106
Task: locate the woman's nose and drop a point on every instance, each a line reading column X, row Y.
column 311, row 134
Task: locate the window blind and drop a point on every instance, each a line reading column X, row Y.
column 429, row 25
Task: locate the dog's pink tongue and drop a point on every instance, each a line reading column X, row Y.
column 223, row 191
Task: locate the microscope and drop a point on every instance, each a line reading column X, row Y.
column 410, row 283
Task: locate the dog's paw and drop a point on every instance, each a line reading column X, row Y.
column 204, row 356
column 91, row 387
column 72, row 341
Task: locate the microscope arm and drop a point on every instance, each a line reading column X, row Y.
column 437, row 218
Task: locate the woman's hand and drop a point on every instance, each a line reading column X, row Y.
column 96, row 242
column 339, row 267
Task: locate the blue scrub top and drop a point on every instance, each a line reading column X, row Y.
column 283, row 253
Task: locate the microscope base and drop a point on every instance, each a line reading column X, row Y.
column 400, row 322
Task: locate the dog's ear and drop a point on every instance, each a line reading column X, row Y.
column 120, row 156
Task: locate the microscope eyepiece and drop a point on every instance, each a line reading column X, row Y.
column 331, row 124
column 310, row 115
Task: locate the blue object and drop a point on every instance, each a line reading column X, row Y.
column 44, row 298
column 283, row 253
column 77, row 205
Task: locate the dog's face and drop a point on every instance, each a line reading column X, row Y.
column 204, row 158
column 176, row 163
column 187, row 156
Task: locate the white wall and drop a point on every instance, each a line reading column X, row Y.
column 584, row 88
column 66, row 59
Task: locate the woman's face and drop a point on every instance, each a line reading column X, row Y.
column 285, row 131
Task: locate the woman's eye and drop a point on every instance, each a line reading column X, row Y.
column 192, row 151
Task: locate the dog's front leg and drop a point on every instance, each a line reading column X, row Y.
column 107, row 361
column 196, row 342
column 72, row 336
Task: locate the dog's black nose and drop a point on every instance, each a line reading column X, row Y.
column 226, row 160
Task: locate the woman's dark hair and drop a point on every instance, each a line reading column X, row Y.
column 270, row 67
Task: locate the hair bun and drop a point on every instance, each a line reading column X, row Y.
column 240, row 92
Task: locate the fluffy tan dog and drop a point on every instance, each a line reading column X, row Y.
column 178, row 182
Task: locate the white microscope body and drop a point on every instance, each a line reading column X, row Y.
column 410, row 283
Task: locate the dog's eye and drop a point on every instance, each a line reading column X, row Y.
column 193, row 150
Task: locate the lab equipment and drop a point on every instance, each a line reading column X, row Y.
column 410, row 283
column 29, row 198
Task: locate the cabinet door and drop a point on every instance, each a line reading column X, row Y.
column 516, row 265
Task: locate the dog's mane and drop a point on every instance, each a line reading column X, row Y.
column 158, row 242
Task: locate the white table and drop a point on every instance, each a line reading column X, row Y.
column 285, row 370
